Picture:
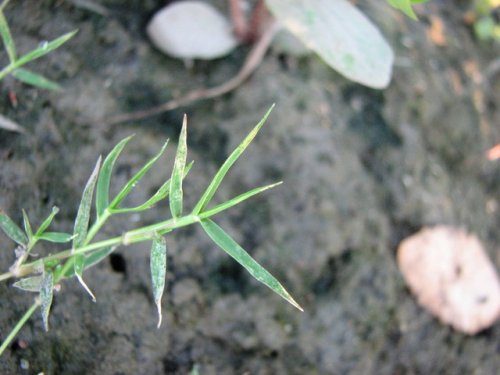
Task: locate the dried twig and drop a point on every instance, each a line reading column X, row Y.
column 252, row 61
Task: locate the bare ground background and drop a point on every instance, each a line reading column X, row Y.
column 362, row 170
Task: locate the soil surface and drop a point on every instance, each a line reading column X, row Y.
column 362, row 169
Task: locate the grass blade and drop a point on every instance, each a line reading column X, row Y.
column 29, row 284
column 45, row 48
column 34, row 79
column 158, row 265
column 27, row 226
column 46, row 295
column 175, row 198
column 226, row 243
column 160, row 194
column 82, row 224
column 55, row 237
column 219, row 176
column 7, row 38
column 83, row 216
column 12, row 231
column 102, row 191
column 47, row 222
column 236, row 200
column 135, row 180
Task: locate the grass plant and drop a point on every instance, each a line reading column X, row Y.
column 43, row 275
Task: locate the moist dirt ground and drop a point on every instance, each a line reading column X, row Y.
column 362, row 169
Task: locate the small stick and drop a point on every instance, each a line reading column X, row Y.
column 252, row 61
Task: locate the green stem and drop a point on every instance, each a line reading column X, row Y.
column 130, row 237
column 18, row 326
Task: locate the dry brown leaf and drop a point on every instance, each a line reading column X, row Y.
column 436, row 31
column 451, row 275
column 494, row 153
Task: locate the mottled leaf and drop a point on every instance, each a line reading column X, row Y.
column 46, row 295
column 12, row 230
column 29, row 284
column 158, row 265
column 175, row 196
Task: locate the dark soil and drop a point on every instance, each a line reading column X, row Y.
column 362, row 169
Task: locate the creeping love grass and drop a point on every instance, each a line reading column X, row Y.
column 41, row 276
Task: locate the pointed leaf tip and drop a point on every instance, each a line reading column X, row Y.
column 85, row 286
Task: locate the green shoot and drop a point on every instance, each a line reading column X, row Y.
column 42, row 274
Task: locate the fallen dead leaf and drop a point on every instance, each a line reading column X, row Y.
column 451, row 275
column 436, row 32
column 494, row 153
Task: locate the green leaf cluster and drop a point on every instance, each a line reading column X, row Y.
column 44, row 274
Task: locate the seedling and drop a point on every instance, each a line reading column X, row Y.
column 44, row 274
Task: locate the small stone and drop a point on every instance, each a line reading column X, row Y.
column 451, row 275
column 191, row 30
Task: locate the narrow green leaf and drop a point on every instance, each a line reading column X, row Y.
column 82, row 224
column 135, row 180
column 46, row 295
column 34, row 79
column 102, row 191
column 7, row 38
column 12, row 230
column 175, row 197
column 160, row 194
column 45, row 224
column 27, row 225
column 83, row 215
column 226, row 243
column 44, row 48
column 236, row 200
column 29, row 284
column 158, row 265
column 404, row 6
column 56, row 237
column 219, row 176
